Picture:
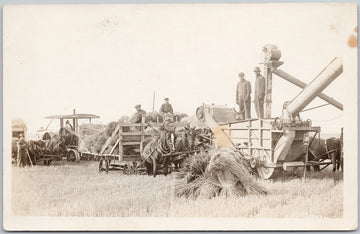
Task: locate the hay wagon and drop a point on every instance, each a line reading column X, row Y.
column 121, row 151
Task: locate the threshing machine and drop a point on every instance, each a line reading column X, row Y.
column 271, row 143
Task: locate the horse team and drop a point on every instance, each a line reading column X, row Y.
column 155, row 150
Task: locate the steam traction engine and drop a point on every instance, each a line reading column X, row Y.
column 271, row 143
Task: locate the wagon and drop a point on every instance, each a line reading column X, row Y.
column 121, row 151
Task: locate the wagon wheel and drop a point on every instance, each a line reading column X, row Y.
column 104, row 165
column 129, row 169
column 137, row 168
column 265, row 172
column 126, row 170
column 140, row 168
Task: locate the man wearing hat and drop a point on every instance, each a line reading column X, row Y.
column 21, row 151
column 166, row 111
column 68, row 125
column 138, row 115
column 259, row 93
column 243, row 92
column 166, row 107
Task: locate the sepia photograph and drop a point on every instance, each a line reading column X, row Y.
column 180, row 116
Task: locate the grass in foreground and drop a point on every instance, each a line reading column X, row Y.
column 70, row 189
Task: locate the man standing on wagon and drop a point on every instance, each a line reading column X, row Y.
column 259, row 93
column 137, row 117
column 243, row 92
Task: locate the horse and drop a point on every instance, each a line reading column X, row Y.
column 327, row 149
column 152, row 150
column 186, row 142
column 333, row 147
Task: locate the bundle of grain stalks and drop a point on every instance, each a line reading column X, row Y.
column 217, row 172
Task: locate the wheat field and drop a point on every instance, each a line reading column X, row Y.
column 78, row 189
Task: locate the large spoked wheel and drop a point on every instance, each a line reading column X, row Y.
column 131, row 168
column 265, row 172
column 72, row 156
column 104, row 165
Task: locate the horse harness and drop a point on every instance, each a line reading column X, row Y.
column 327, row 150
column 159, row 148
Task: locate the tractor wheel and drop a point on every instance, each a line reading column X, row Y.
column 265, row 172
column 104, row 165
column 72, row 156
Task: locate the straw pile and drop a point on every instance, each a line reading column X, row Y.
column 215, row 173
column 93, row 142
column 90, row 129
column 93, row 137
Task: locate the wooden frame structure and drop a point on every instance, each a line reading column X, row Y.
column 257, row 140
column 126, row 138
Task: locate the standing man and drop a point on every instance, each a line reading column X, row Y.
column 259, row 93
column 243, row 92
column 21, row 151
column 138, row 115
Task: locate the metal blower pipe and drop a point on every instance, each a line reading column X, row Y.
column 297, row 82
column 316, row 86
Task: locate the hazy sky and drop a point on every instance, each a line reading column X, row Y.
column 104, row 59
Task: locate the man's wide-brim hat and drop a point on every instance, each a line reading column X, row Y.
column 138, row 106
column 256, row 69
